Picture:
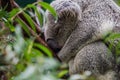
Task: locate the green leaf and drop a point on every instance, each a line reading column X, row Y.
column 36, row 52
column 30, row 21
column 37, row 13
column 118, row 49
column 51, row 9
column 23, row 25
column 39, row 16
column 3, row 13
column 62, row 73
column 112, row 36
column 30, row 6
column 9, row 24
column 30, row 47
column 113, row 41
column 43, row 48
column 118, row 2
column 13, row 12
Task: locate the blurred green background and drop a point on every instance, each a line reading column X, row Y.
column 23, row 3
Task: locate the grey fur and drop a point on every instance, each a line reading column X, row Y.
column 81, row 23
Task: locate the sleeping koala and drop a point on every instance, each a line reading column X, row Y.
column 78, row 33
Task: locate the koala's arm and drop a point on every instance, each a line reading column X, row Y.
column 77, row 40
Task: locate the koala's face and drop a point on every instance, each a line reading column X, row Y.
column 57, row 32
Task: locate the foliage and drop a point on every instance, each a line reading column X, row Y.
column 3, row 13
column 113, row 42
column 25, row 58
column 117, row 1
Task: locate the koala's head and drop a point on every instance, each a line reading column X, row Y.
column 57, row 32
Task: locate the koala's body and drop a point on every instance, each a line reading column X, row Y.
column 79, row 30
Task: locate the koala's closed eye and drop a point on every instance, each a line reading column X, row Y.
column 57, row 27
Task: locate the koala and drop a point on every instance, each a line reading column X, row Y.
column 77, row 36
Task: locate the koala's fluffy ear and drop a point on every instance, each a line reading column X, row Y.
column 67, row 9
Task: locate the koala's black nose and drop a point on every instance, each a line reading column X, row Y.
column 53, row 45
